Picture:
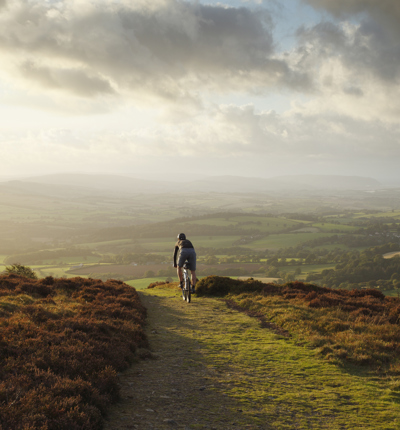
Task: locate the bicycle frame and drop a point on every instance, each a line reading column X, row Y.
column 186, row 290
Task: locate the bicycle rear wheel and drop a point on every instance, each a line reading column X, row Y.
column 188, row 291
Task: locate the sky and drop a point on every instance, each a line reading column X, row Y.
column 175, row 89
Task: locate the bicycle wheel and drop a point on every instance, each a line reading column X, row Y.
column 183, row 291
column 184, row 285
column 188, row 291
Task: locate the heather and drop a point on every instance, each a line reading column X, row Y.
column 359, row 327
column 62, row 343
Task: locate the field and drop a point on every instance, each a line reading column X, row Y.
column 277, row 241
column 263, row 224
column 307, row 269
column 335, row 227
column 391, row 254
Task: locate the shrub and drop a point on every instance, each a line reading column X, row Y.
column 218, row 286
column 19, row 269
column 60, row 351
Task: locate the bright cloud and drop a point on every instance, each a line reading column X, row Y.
column 171, row 49
column 138, row 83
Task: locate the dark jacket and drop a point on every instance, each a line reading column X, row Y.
column 179, row 245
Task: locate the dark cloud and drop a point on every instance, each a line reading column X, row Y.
column 384, row 9
column 77, row 81
column 371, row 48
column 171, row 48
column 354, row 91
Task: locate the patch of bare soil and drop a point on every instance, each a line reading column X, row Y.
column 175, row 388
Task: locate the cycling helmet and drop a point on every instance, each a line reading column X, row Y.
column 181, row 236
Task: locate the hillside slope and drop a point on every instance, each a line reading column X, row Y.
column 218, row 368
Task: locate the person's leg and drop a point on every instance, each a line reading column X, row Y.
column 194, row 279
column 180, row 276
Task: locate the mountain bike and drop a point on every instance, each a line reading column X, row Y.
column 187, row 285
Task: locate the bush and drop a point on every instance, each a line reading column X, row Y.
column 218, row 286
column 19, row 269
column 62, row 342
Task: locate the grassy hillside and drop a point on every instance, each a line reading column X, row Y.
column 274, row 376
column 62, row 343
column 358, row 327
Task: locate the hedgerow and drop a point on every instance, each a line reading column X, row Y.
column 62, row 343
column 356, row 326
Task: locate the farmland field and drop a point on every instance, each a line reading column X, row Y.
column 73, row 260
column 338, row 227
column 390, row 214
column 307, row 269
column 263, row 224
column 276, row 241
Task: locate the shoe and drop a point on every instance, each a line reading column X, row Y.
column 193, row 290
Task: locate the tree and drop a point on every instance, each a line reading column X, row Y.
column 21, row 270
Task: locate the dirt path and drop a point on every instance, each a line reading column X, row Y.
column 217, row 368
column 177, row 389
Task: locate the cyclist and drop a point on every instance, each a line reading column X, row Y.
column 186, row 253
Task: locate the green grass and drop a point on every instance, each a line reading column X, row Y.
column 263, row 224
column 140, row 284
column 307, row 268
column 275, row 380
column 334, row 246
column 95, row 245
column 392, row 293
column 276, row 241
column 394, row 214
column 73, row 260
column 339, row 227
column 56, row 271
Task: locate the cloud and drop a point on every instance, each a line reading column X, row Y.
column 78, row 81
column 169, row 49
column 383, row 9
column 372, row 46
column 227, row 138
column 354, row 60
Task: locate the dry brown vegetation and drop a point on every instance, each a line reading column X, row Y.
column 357, row 326
column 62, row 342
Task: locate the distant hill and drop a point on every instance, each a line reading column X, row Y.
column 113, row 183
column 220, row 184
column 329, row 182
column 287, row 183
